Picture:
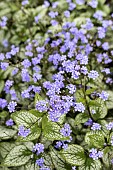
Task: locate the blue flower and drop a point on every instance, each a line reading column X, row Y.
column 40, row 162
column 104, row 95
column 66, row 130
column 79, row 107
column 9, row 122
column 96, row 126
column 94, row 154
column 67, row 14
column 23, row 132
column 93, row 3
column 25, row 2
column 41, row 105
column 38, row 148
column 93, row 74
column 3, row 103
column 11, row 106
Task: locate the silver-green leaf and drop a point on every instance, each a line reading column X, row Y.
column 74, row 155
column 95, row 139
column 91, row 164
column 51, row 130
column 24, row 118
column 17, row 156
column 6, row 133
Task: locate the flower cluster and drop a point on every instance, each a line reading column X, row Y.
column 41, row 106
column 66, row 130
column 79, row 107
column 89, row 122
column 63, row 144
column 104, row 95
column 94, row 154
column 23, row 132
column 96, row 126
column 109, row 126
column 72, row 59
column 3, row 21
column 11, row 106
column 38, row 148
column 3, row 103
column 9, row 122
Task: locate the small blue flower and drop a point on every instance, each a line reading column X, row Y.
column 38, row 148
column 40, row 162
column 93, row 74
column 104, row 95
column 93, row 3
column 79, row 107
column 66, row 130
column 67, row 14
column 96, row 126
column 11, row 106
column 23, row 132
column 41, row 105
column 9, row 122
column 25, row 2
column 94, row 154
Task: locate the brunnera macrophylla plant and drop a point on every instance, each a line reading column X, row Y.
column 56, row 85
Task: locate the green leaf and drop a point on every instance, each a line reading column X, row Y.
column 24, row 118
column 29, row 166
column 105, row 9
column 106, row 156
column 28, row 145
column 62, row 119
column 104, row 130
column 71, row 121
column 109, row 139
column 58, row 161
column 17, row 156
column 44, row 122
column 1, row 85
column 109, row 103
column 4, row 12
column 94, row 139
column 79, row 20
column 89, row 91
column 5, row 148
column 101, row 2
column 36, row 113
column 42, row 11
column 94, row 103
column 101, row 110
column 48, row 160
column 6, row 133
column 13, row 6
column 79, row 95
column 51, row 130
column 3, row 114
column 37, row 98
column 81, row 118
column 74, row 155
column 35, row 132
column 91, row 84
column 7, row 72
column 4, row 168
column 91, row 164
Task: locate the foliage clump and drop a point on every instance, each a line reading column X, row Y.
column 56, row 85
